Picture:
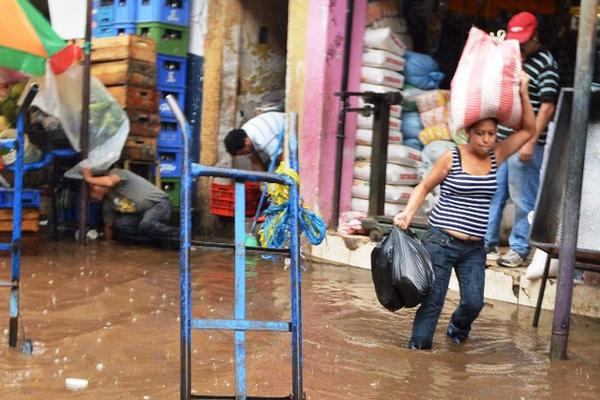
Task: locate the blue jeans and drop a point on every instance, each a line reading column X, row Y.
column 468, row 260
column 148, row 227
column 520, row 181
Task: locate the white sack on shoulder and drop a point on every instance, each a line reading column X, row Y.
column 486, row 82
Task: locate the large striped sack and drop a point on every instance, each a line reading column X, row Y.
column 486, row 82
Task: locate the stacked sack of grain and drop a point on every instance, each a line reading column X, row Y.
column 383, row 63
column 422, row 75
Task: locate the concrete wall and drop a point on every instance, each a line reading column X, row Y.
column 325, row 36
column 262, row 65
column 238, row 71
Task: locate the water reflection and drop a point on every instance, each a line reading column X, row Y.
column 110, row 314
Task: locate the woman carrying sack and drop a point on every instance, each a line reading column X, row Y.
column 458, row 221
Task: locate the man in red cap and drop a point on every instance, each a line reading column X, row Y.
column 519, row 177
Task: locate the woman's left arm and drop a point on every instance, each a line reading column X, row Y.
column 516, row 140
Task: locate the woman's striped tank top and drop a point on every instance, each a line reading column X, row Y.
column 464, row 202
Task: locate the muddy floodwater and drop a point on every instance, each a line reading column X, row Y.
column 109, row 314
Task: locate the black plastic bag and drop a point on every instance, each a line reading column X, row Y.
column 412, row 268
column 401, row 269
column 382, row 274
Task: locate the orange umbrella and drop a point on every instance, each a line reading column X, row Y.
column 26, row 38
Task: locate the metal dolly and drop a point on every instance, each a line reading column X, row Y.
column 239, row 324
column 14, row 246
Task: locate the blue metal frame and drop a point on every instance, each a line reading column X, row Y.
column 15, row 246
column 239, row 324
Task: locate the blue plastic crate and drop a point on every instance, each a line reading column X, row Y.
column 113, row 30
column 169, row 136
column 163, row 107
column 170, row 162
column 176, row 12
column 30, row 198
column 171, row 71
column 125, row 11
column 103, row 12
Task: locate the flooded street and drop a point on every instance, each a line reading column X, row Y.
column 109, row 314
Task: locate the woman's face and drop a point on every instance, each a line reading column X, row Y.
column 482, row 136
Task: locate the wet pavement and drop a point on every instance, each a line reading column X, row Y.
column 109, row 314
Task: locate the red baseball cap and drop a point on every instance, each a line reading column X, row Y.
column 522, row 26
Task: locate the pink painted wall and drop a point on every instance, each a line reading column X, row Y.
column 356, row 56
column 323, row 76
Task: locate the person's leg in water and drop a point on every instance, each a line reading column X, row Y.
column 470, row 272
column 154, row 224
column 126, row 228
column 444, row 254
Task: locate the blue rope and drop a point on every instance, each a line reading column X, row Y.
column 311, row 224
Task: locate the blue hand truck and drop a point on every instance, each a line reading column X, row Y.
column 14, row 246
column 239, row 324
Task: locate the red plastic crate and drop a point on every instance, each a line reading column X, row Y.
column 222, row 198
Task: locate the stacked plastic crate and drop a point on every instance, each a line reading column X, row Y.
column 167, row 23
column 113, row 17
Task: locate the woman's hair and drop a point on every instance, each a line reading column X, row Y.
column 470, row 127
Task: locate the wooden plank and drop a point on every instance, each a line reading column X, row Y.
column 131, row 72
column 142, row 123
column 124, row 47
column 27, row 225
column 140, row 148
column 135, row 97
column 6, row 214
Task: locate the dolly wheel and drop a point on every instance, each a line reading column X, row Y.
column 375, row 234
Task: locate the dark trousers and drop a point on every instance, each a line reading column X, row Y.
column 468, row 260
column 149, row 227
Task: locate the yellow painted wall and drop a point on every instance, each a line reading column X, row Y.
column 297, row 22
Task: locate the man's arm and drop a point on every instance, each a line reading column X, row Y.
column 257, row 161
column 106, row 180
column 542, row 119
column 549, row 88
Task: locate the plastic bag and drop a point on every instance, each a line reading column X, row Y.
column 422, row 71
column 60, row 96
column 403, row 256
column 411, row 124
column 382, row 275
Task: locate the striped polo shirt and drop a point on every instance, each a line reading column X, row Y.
column 544, row 85
column 264, row 131
column 464, row 202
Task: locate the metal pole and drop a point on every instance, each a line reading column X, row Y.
column 185, row 210
column 341, row 125
column 379, row 158
column 578, row 131
column 85, row 121
column 295, row 267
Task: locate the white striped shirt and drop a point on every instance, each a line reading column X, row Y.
column 464, row 203
column 264, row 130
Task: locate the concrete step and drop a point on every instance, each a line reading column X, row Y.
column 504, row 284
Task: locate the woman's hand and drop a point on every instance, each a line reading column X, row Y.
column 402, row 220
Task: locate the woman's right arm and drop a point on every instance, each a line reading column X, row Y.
column 438, row 173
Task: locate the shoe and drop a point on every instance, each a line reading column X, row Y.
column 492, row 253
column 455, row 334
column 511, row 259
column 416, row 344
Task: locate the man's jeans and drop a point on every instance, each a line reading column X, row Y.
column 148, row 227
column 468, row 260
column 519, row 181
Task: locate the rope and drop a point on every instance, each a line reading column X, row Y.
column 275, row 230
